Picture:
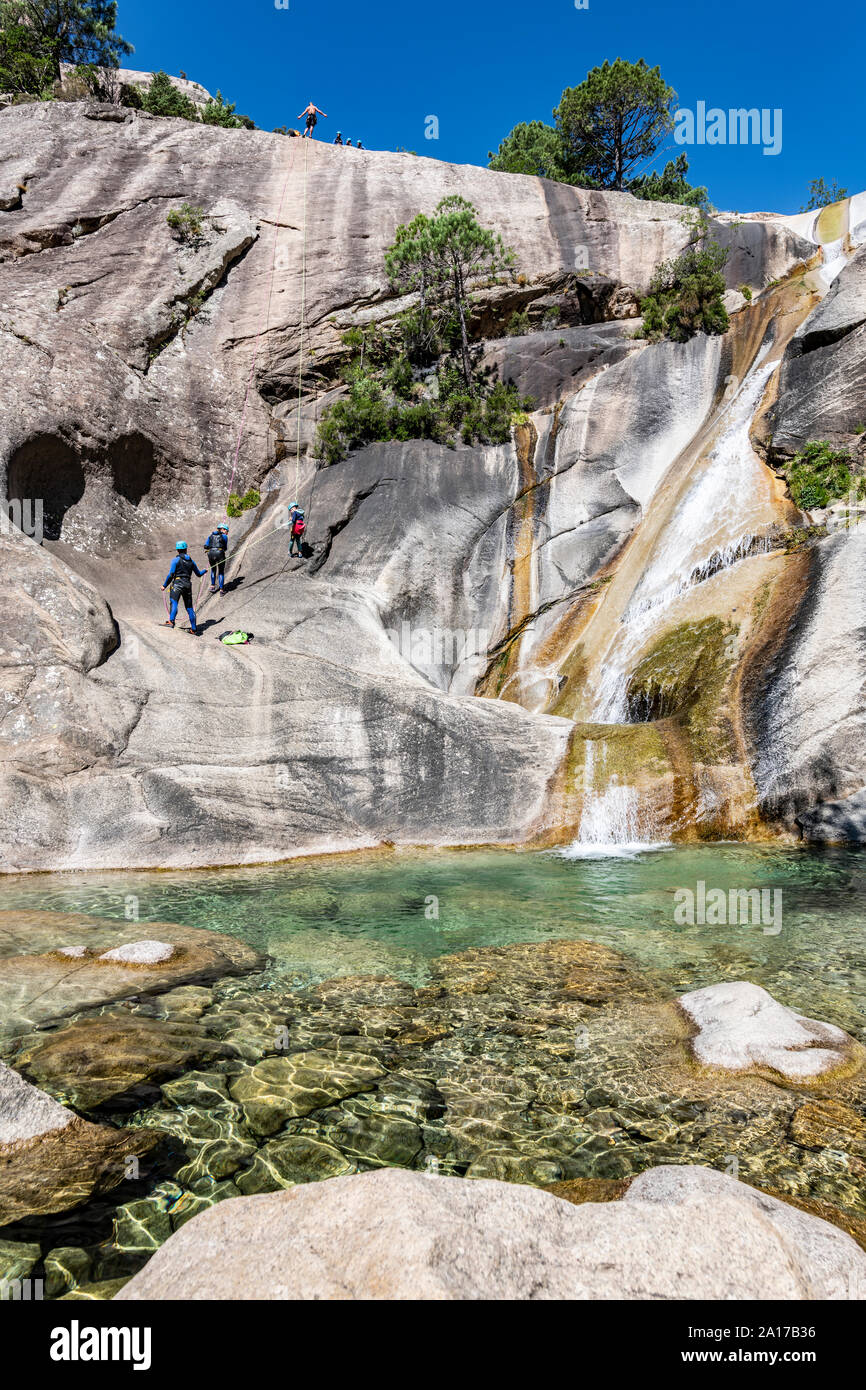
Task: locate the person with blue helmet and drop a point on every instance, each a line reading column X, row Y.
column 297, row 530
column 180, row 575
column 216, row 547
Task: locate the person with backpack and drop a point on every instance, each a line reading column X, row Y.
column 180, row 578
column 297, row 530
column 216, row 547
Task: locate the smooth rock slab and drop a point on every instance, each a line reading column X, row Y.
column 678, row 1233
column 743, row 1028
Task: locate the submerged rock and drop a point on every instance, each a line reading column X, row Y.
column 678, row 1233
column 109, row 963
column 65, row 1268
column 280, row 1088
column 743, row 1028
column 100, row 1292
column 827, row 1124
column 93, row 1060
column 17, row 1259
column 50, row 1158
column 286, row 1162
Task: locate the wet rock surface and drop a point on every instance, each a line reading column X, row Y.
column 56, row 963
column 51, row 1158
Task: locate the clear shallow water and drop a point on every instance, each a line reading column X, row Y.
column 525, row 1080
column 375, row 914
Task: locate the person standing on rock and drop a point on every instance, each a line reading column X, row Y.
column 216, row 547
column 297, row 529
column 338, row 138
column 180, row 575
column 312, row 113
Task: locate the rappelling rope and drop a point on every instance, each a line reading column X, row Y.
column 265, row 328
column 303, row 325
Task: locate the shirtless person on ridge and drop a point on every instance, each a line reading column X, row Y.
column 312, row 112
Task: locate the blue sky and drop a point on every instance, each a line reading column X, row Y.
column 381, row 68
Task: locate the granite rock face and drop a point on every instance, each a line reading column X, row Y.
column 806, row 713
column 678, row 1233
column 822, row 384
column 130, row 355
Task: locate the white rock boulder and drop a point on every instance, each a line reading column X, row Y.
column 741, row 1028
column 140, row 953
column 393, row 1234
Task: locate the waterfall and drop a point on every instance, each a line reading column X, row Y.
column 725, row 515
column 612, row 823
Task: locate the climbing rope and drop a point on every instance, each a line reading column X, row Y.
column 303, row 325
column 265, row 328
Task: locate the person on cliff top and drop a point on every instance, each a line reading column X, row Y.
column 312, row 113
column 216, row 546
column 338, row 138
column 180, row 575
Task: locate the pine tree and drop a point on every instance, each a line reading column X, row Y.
column 615, row 121
column 79, row 32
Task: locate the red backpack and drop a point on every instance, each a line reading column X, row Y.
column 299, row 526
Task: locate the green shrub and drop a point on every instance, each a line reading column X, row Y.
column 216, row 111
column 237, row 505
column 820, row 475
column 187, row 222
column 374, row 413
column 685, row 295
column 746, row 292
column 519, row 324
column 162, row 98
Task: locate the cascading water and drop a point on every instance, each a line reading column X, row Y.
column 612, row 823
column 725, row 515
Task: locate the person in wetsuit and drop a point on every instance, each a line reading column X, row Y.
column 180, row 575
column 216, row 547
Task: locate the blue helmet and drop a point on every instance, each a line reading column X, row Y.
column 181, row 545
column 223, row 528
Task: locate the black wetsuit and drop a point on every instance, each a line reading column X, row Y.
column 216, row 546
column 180, row 578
